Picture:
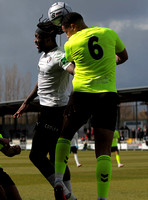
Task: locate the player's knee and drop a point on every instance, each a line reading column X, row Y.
column 36, row 158
column 33, row 157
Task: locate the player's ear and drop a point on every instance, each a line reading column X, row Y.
column 48, row 39
column 72, row 26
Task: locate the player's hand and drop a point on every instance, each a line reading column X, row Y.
column 16, row 149
column 12, row 150
column 21, row 110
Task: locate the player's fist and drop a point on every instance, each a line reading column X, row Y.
column 16, row 149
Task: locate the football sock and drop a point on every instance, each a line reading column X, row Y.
column 76, row 159
column 51, row 179
column 61, row 155
column 68, row 185
column 118, row 158
column 61, row 159
column 103, row 173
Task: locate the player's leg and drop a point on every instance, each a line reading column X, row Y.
column 2, row 193
column 104, row 121
column 74, row 150
column 45, row 139
column 61, row 170
column 61, row 160
column 118, row 158
column 38, row 155
column 8, row 189
column 74, row 118
column 67, row 182
column 66, row 178
column 12, row 193
column 103, row 141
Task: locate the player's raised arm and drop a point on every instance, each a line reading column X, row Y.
column 26, row 103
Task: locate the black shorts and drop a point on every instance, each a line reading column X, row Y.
column 113, row 149
column 50, row 120
column 74, row 149
column 100, row 107
column 5, row 179
column 47, row 131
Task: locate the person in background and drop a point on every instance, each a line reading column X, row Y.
column 74, row 149
column 8, row 189
column 116, row 140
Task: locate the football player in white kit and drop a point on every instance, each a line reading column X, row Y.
column 74, row 148
column 52, row 88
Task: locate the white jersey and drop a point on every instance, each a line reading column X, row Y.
column 54, row 82
column 74, row 141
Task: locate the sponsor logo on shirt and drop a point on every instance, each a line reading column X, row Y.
column 49, row 59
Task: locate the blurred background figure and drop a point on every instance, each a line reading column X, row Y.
column 74, row 149
column 116, row 139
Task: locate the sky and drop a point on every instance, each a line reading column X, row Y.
column 129, row 18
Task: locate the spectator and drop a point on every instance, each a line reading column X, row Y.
column 140, row 134
column 133, row 132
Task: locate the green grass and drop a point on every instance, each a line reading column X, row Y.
column 128, row 183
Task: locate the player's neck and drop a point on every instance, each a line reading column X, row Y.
column 83, row 26
column 48, row 49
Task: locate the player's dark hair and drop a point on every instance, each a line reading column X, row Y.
column 71, row 18
column 48, row 29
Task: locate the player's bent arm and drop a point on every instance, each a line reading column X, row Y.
column 11, row 150
column 32, row 95
column 4, row 142
column 70, row 69
column 25, row 104
column 121, row 57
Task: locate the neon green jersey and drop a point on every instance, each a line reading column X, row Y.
column 93, row 51
column 1, row 146
column 115, row 137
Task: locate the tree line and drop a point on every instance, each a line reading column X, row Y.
column 14, row 85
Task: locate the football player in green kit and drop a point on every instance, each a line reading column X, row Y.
column 8, row 189
column 116, row 138
column 95, row 51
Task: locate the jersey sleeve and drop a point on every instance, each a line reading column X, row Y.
column 119, row 47
column 68, row 52
column 60, row 57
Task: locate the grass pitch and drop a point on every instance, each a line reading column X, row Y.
column 128, row 183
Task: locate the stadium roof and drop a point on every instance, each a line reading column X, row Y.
column 133, row 94
column 125, row 95
column 10, row 107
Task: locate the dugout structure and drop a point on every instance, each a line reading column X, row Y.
column 7, row 109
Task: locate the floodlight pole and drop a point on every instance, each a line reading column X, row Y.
column 60, row 41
